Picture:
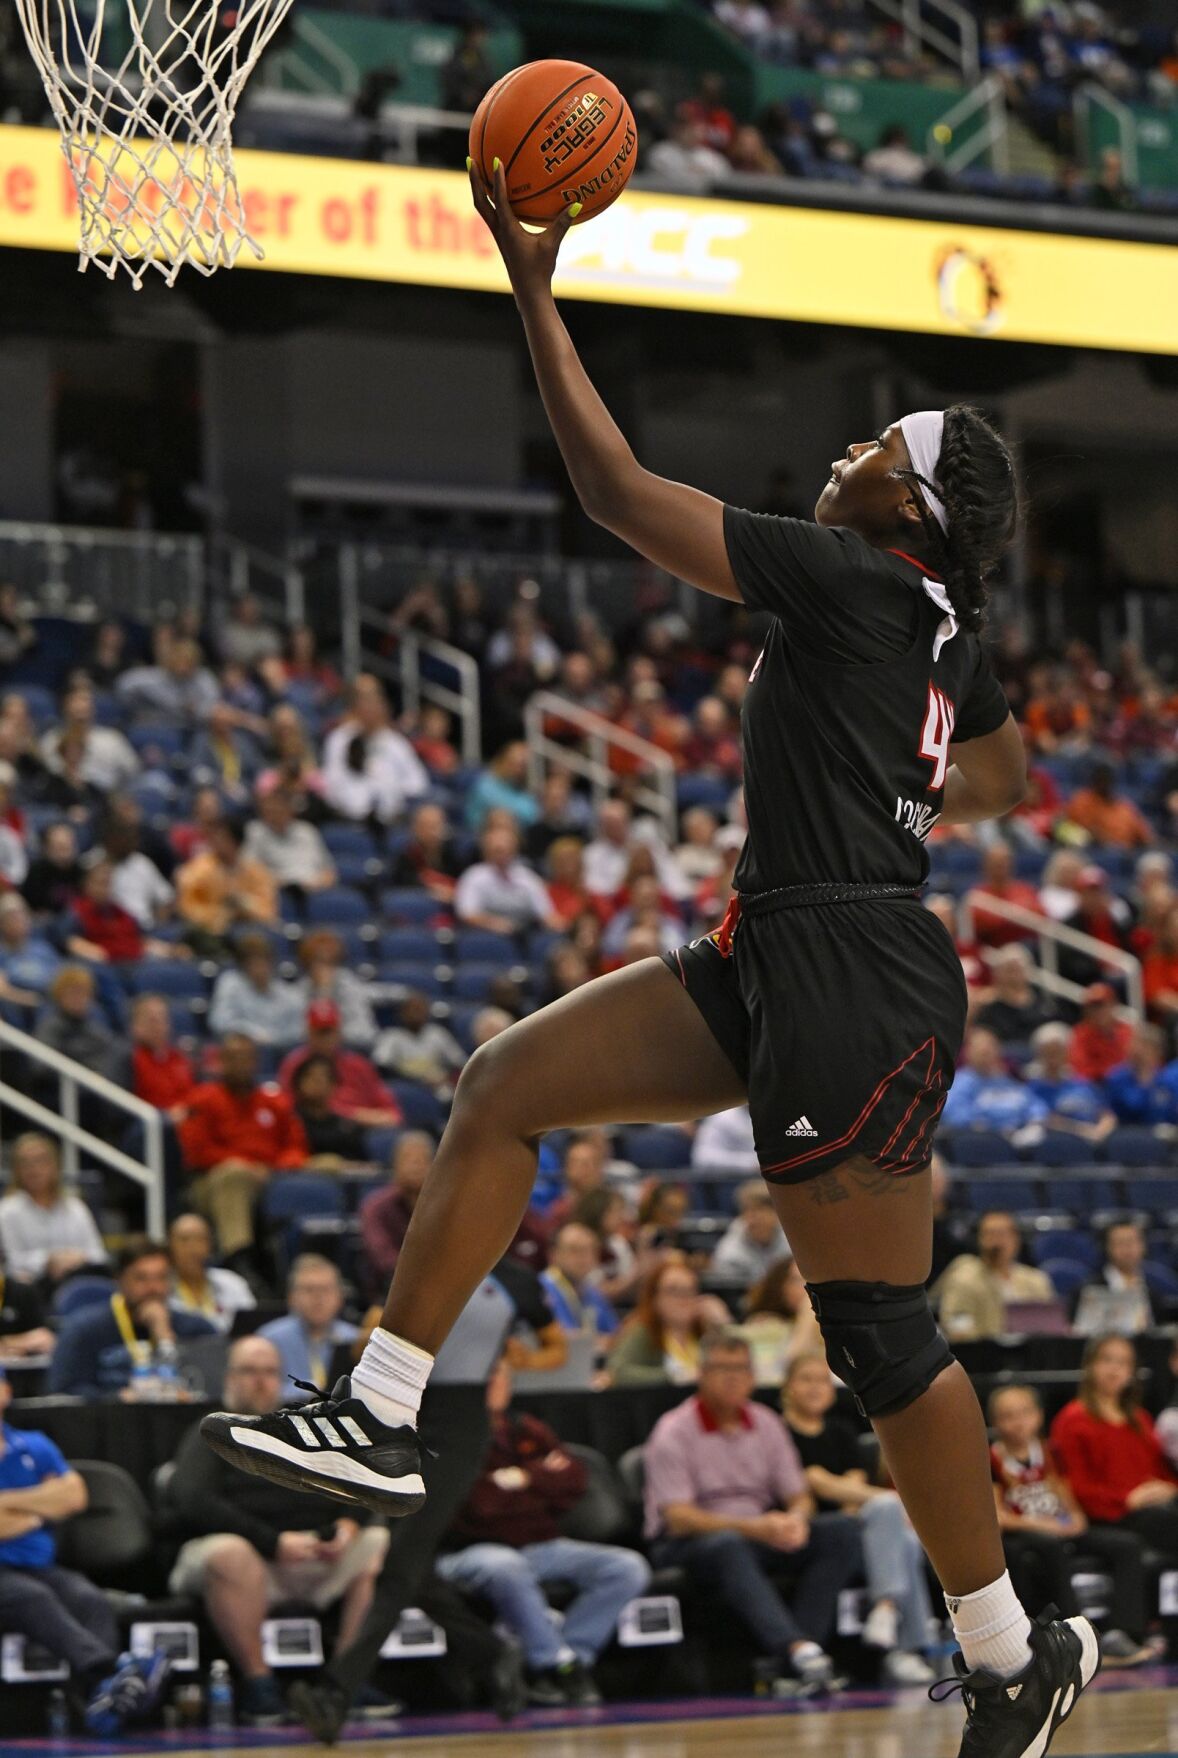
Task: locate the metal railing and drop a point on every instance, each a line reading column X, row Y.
column 89, row 572
column 590, row 758
column 985, row 103
column 64, row 1125
column 961, row 51
column 1051, row 935
column 240, row 567
column 364, row 633
column 1092, row 96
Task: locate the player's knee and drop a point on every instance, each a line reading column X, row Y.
column 881, row 1340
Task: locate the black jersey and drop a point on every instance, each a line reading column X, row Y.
column 847, row 719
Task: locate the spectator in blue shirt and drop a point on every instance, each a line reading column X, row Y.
column 568, row 1281
column 1076, row 1105
column 504, row 782
column 312, row 1331
column 985, row 1095
column 57, row 1608
column 100, row 1347
column 1142, row 1090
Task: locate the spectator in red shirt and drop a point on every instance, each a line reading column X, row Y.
column 1033, row 819
column 713, row 745
column 385, row 1216
column 97, row 928
column 360, row 1094
column 236, row 1133
column 161, row 1074
column 1100, row 1041
column 510, row 1533
column 1106, row 1444
column 998, row 881
column 710, row 113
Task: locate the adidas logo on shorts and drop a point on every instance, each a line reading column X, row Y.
column 803, row 1126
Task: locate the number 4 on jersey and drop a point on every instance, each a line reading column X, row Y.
column 936, row 735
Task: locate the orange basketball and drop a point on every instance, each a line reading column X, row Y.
column 563, row 133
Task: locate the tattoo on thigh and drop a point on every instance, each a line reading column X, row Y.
column 871, row 1179
column 827, row 1188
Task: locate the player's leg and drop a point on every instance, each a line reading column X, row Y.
column 863, row 1241
column 631, row 1047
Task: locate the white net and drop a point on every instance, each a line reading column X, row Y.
column 145, row 92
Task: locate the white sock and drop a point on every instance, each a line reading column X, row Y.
column 390, row 1377
column 992, row 1628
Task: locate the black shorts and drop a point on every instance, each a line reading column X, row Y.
column 845, row 1021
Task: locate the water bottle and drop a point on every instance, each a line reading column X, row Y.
column 143, row 1378
column 220, row 1697
column 167, row 1372
column 58, row 1719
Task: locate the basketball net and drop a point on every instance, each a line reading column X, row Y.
column 145, row 92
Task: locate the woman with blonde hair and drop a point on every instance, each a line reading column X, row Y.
column 779, row 1321
column 45, row 1231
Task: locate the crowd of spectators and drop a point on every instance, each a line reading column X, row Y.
column 284, row 915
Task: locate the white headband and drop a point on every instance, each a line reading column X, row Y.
column 922, row 435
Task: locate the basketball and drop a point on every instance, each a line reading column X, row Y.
column 563, row 133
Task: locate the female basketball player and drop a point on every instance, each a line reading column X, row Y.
column 830, row 998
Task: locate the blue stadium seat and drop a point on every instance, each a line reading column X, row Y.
column 415, row 974
column 40, row 701
column 421, row 1106
column 80, row 1292
column 357, row 870
column 1161, row 1280
column 1136, row 1146
column 168, row 741
column 289, row 1195
column 1066, row 1274
column 656, row 1149
column 381, row 1143
column 1157, row 1196
column 349, row 839
column 978, row 1147
column 1019, row 1195
column 1084, row 1196
column 472, row 982
column 419, row 944
column 407, row 904
column 703, row 790
column 1073, row 1245
column 480, row 946
column 339, row 905
column 1059, row 1148
column 461, row 1020
column 167, row 976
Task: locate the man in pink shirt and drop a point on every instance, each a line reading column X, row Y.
column 726, row 1499
column 359, row 1093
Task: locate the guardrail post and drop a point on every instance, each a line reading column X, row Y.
column 349, row 610
column 68, row 1097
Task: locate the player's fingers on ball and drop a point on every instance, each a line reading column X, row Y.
column 499, row 175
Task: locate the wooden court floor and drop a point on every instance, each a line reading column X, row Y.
column 1115, row 1719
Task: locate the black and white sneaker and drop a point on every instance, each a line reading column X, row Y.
column 334, row 1447
column 1017, row 1718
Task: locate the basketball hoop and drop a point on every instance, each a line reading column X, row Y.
column 145, row 92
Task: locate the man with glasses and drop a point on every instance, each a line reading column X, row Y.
column 254, row 1544
column 726, row 1500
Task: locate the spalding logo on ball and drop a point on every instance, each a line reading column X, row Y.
column 563, row 134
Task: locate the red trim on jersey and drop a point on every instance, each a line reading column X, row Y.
column 905, row 557
column 820, row 1152
column 727, row 927
column 917, row 1097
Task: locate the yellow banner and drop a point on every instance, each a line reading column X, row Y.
column 398, row 223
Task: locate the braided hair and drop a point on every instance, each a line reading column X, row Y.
column 975, row 481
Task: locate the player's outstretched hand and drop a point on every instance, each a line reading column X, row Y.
column 530, row 257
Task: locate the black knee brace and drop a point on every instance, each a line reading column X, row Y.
column 882, row 1341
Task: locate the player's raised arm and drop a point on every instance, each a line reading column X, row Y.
column 676, row 527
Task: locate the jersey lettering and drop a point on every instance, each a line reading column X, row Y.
column 936, row 735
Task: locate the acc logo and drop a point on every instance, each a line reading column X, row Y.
column 968, row 291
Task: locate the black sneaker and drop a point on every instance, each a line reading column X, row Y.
column 1017, row 1718
column 506, row 1684
column 259, row 1702
column 322, row 1707
column 335, row 1446
column 545, row 1688
column 580, row 1687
